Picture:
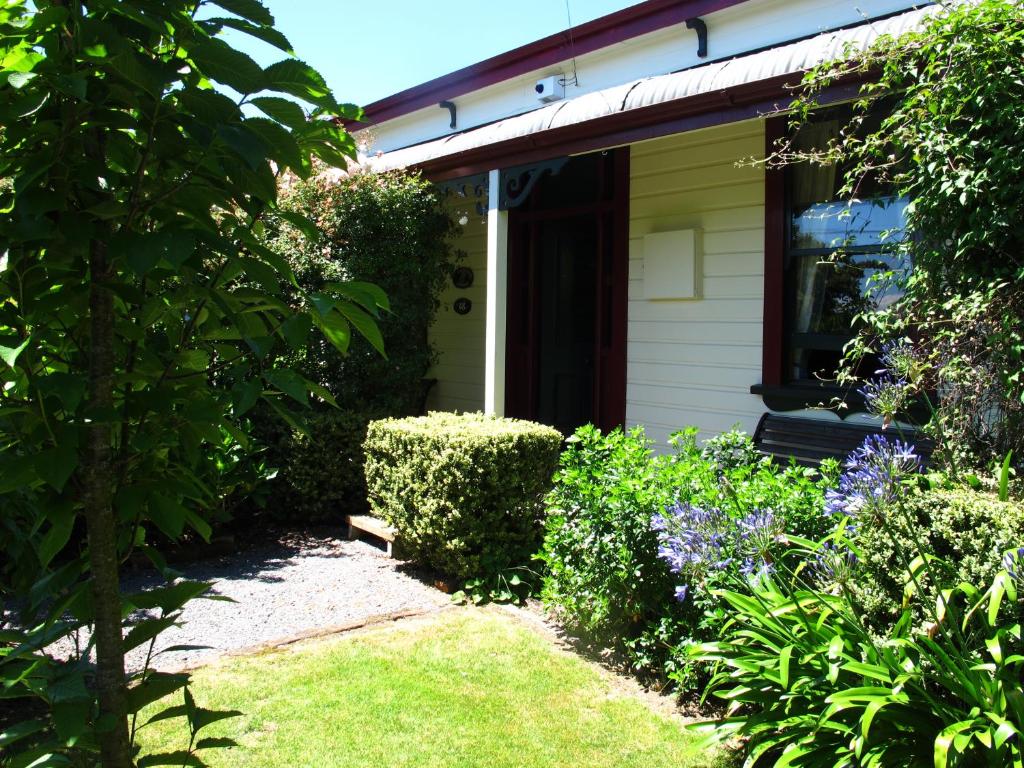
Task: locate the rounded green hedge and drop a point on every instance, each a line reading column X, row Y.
column 464, row 492
column 968, row 530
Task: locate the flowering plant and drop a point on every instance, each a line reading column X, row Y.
column 808, row 684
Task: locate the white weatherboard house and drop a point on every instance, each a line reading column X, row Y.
column 624, row 266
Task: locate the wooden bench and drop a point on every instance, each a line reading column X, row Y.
column 809, row 441
column 373, row 526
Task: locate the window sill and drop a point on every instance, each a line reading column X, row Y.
column 797, row 395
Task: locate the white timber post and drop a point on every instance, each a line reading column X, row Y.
column 497, row 298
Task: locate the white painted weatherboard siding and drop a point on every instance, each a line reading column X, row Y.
column 692, row 362
column 459, row 339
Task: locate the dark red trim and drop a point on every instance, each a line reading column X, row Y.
column 701, row 111
column 608, row 30
column 774, row 253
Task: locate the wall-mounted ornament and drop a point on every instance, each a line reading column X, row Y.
column 462, row 278
column 462, row 306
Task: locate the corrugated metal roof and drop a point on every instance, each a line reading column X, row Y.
column 716, row 77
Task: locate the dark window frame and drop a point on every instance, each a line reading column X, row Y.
column 778, row 390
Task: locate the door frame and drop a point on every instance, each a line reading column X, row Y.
column 521, row 381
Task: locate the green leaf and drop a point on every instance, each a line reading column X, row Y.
column 170, row 598
column 253, row 10
column 945, row 739
column 56, row 538
column 146, row 629
column 265, row 33
column 784, row 659
column 153, row 688
column 364, row 324
column 290, row 383
column 298, row 79
column 284, row 111
column 336, row 329
column 71, row 719
column 10, row 354
column 245, row 394
column 296, row 329
column 168, row 515
column 21, row 730
column 305, row 225
column 56, row 465
column 280, row 144
column 1004, row 477
column 218, row 61
column 246, row 144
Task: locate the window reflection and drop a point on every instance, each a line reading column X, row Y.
column 839, row 258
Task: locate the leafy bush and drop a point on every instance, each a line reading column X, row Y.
column 809, row 684
column 966, row 528
column 605, row 578
column 464, row 492
column 319, row 469
column 390, row 229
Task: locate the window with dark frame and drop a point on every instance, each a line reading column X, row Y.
column 822, row 255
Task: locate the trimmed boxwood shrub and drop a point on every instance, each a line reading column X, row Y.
column 464, row 492
column 968, row 529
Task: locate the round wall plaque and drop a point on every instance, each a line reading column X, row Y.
column 462, row 277
column 462, row 306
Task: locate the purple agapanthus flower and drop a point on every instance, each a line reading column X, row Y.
column 872, row 476
column 681, row 592
column 1012, row 563
column 690, row 537
column 833, row 564
column 885, row 395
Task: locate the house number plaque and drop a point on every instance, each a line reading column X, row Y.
column 462, row 306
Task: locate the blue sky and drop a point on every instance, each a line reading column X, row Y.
column 368, row 50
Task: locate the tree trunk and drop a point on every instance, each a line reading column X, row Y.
column 98, row 477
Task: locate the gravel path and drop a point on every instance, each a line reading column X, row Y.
column 299, row 586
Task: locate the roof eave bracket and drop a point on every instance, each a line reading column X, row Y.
column 701, row 28
column 450, row 106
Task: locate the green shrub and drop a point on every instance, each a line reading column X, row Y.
column 807, row 683
column 604, row 577
column 319, row 474
column 464, row 492
column 390, row 229
column 966, row 528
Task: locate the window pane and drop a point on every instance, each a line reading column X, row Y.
column 835, row 224
column 824, row 299
column 827, row 295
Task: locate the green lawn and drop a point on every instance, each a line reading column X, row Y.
column 463, row 688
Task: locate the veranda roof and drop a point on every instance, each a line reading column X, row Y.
column 721, row 77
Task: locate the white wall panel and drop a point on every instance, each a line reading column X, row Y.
column 691, row 363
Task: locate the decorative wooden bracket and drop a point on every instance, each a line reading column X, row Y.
column 517, row 182
column 468, row 187
column 701, row 29
column 450, row 106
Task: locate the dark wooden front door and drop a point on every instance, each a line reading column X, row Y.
column 568, row 276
